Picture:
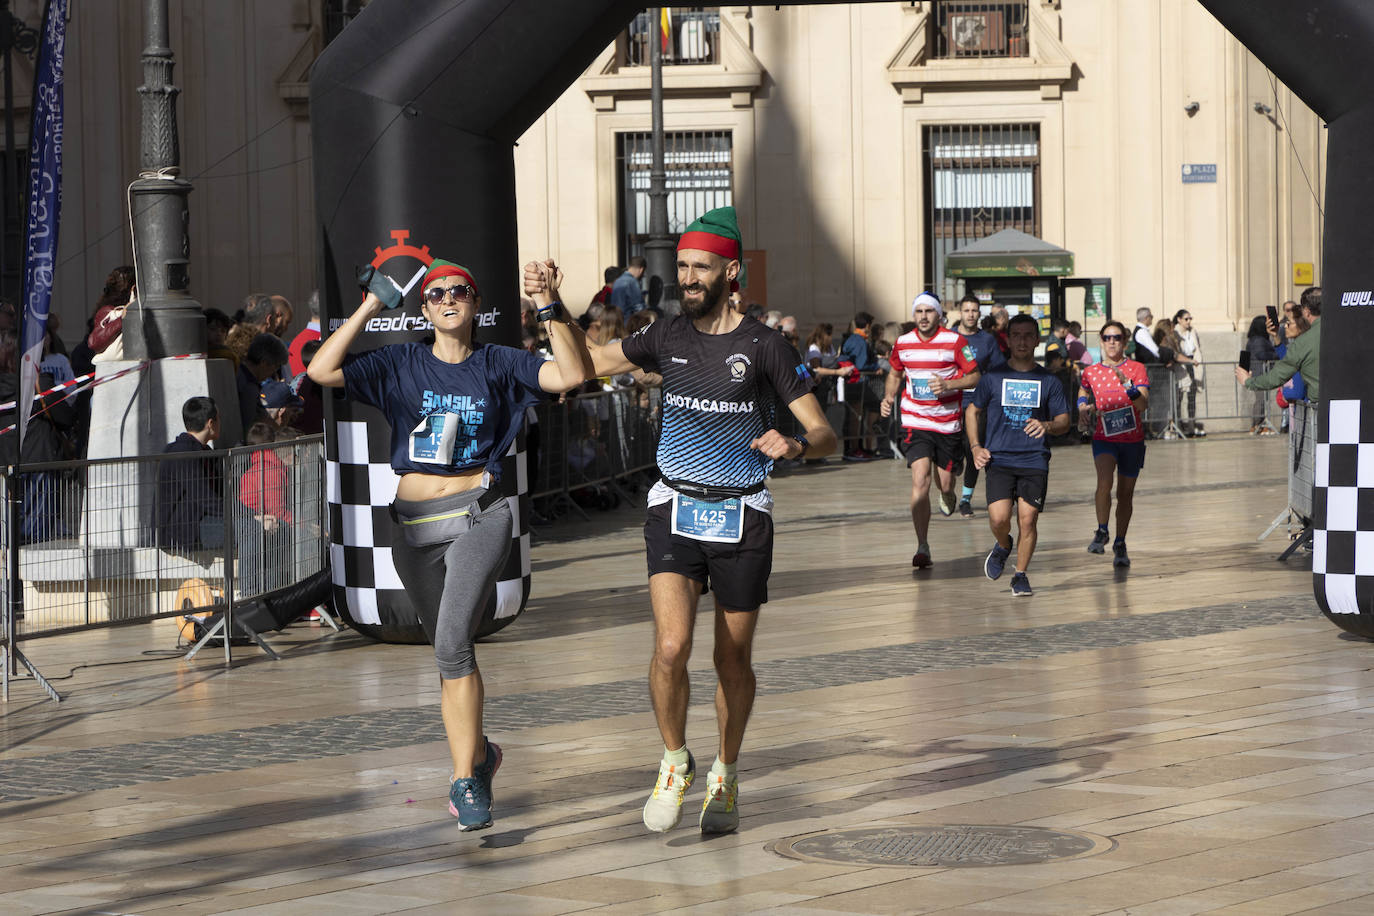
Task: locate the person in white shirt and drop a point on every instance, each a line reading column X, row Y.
column 1190, row 378
column 1143, row 339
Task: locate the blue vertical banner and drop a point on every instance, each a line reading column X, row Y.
column 45, row 201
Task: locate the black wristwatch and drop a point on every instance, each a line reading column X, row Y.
column 552, row 312
column 805, row 444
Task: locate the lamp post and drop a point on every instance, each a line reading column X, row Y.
column 659, row 250
column 14, row 36
column 167, row 321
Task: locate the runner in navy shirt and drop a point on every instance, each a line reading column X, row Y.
column 1024, row 403
column 709, row 521
column 454, row 407
column 988, row 355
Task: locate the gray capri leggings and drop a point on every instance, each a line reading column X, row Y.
column 449, row 556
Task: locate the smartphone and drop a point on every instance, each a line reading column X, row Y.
column 1273, row 314
column 1245, row 360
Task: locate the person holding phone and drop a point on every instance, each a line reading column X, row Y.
column 1302, row 355
column 1257, row 356
column 454, row 406
column 1112, row 396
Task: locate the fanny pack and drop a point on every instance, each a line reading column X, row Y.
column 712, row 494
column 445, row 524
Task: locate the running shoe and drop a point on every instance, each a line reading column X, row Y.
column 965, row 508
column 857, row 454
column 947, row 503
column 663, row 810
column 470, row 802
column 922, row 559
column 1099, row 543
column 488, row 767
column 719, row 812
column 1020, row 585
column 996, row 562
column 1119, row 557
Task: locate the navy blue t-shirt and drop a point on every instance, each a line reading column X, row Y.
column 720, row 392
column 1010, row 399
column 986, row 353
column 446, row 418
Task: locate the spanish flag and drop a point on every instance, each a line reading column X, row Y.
column 665, row 28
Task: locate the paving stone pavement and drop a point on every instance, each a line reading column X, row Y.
column 91, row 769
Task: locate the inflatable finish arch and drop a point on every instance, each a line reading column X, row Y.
column 415, row 110
column 1320, row 49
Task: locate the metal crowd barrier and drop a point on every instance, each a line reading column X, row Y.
column 1302, row 464
column 108, row 542
column 590, row 445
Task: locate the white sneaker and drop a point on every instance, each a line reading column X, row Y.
column 947, row 502
column 720, row 811
column 663, row 810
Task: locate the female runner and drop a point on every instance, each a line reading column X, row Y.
column 454, row 407
column 1113, row 392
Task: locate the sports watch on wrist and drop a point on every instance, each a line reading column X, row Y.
column 802, row 440
column 554, row 311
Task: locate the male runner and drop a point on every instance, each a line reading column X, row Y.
column 1112, row 397
column 1023, row 403
column 709, row 522
column 988, row 355
column 931, row 365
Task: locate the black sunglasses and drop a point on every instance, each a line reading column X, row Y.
column 1113, row 336
column 457, row 293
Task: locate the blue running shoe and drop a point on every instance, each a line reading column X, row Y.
column 488, row 767
column 470, row 802
column 1099, row 543
column 996, row 561
column 1020, row 585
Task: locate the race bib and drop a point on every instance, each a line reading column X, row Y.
column 1020, row 398
column 1118, row 422
column 432, row 441
column 1021, row 393
column 720, row 522
column 918, row 388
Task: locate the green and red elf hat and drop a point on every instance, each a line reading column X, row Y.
column 717, row 231
column 439, row 268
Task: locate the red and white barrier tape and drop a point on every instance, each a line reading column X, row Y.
column 83, row 382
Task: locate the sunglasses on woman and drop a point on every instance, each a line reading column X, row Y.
column 456, row 293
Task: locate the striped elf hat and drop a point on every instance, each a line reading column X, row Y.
column 439, row 268
column 717, row 231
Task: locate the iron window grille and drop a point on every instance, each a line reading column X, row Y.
column 700, row 176
column 979, row 179
column 976, row 30
column 694, row 36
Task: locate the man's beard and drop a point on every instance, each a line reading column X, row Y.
column 712, row 297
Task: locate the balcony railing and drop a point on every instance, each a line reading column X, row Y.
column 693, row 38
column 977, row 30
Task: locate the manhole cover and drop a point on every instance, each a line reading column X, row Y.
column 953, row 845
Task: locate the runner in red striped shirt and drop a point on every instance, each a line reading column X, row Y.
column 930, row 366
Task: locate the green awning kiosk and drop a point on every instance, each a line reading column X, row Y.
column 1027, row 274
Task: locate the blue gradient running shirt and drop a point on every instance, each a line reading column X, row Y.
column 720, row 392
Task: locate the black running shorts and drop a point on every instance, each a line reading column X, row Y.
column 943, row 449
column 1017, row 483
column 737, row 573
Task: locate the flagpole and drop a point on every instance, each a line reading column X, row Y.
column 659, row 251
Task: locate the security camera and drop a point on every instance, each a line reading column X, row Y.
column 1261, row 108
column 1191, row 108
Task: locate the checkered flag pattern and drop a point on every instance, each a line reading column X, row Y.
column 1343, row 509
column 360, row 487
